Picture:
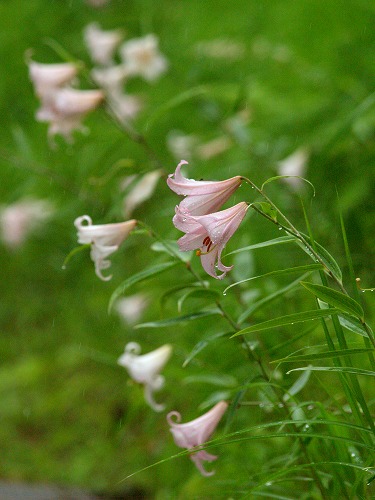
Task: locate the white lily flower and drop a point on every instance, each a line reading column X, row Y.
column 130, row 308
column 111, row 79
column 141, row 192
column 66, row 108
column 97, row 3
column 145, row 369
column 105, row 239
column 142, row 57
column 48, row 78
column 18, row 220
column 196, row 433
column 295, row 166
column 101, row 44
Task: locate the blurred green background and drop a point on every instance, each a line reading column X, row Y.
column 302, row 74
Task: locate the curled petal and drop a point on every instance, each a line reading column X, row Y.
column 196, row 433
column 198, row 459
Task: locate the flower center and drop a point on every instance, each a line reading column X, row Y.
column 207, row 242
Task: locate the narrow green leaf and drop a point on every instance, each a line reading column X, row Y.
column 179, row 319
column 137, row 278
column 352, row 324
column 202, row 344
column 278, row 177
column 290, row 319
column 343, row 369
column 325, row 256
column 198, row 293
column 172, row 291
column 298, row 385
column 74, row 252
column 335, row 299
column 220, row 380
column 290, row 270
column 268, row 243
column 269, row 298
column 321, row 355
column 174, row 102
column 171, row 248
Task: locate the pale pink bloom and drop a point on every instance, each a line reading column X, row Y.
column 97, row 3
column 142, row 191
column 294, row 165
column 101, row 44
column 202, row 197
column 209, row 234
column 196, row 433
column 111, row 79
column 145, row 369
column 105, row 239
column 130, row 308
column 18, row 220
column 143, row 58
column 221, row 48
column 124, row 106
column 66, row 108
column 214, row 148
column 181, row 145
column 48, row 78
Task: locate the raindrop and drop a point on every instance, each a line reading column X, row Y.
column 280, row 228
column 310, row 407
column 280, row 405
column 224, row 293
column 63, row 267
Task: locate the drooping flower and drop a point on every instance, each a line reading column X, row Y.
column 145, row 369
column 201, row 197
column 101, row 43
column 105, row 239
column 142, row 191
column 209, row 234
column 130, row 308
column 196, row 433
column 18, row 220
column 294, row 166
column 66, row 108
column 47, row 78
column 143, row 58
column 111, row 79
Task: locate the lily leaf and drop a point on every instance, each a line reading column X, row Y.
column 298, row 269
column 335, row 299
column 138, row 277
column 179, row 319
column 198, row 293
column 325, row 256
column 268, row 243
column 290, row 319
column 202, row 344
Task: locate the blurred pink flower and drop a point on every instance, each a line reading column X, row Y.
column 196, row 433
column 202, row 197
column 145, row 369
column 294, row 166
column 105, row 239
column 66, row 108
column 18, row 220
column 101, row 43
column 209, row 234
column 143, row 58
column 48, row 78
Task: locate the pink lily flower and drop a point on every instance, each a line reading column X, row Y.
column 145, row 369
column 196, row 433
column 105, row 239
column 209, row 234
column 202, row 197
